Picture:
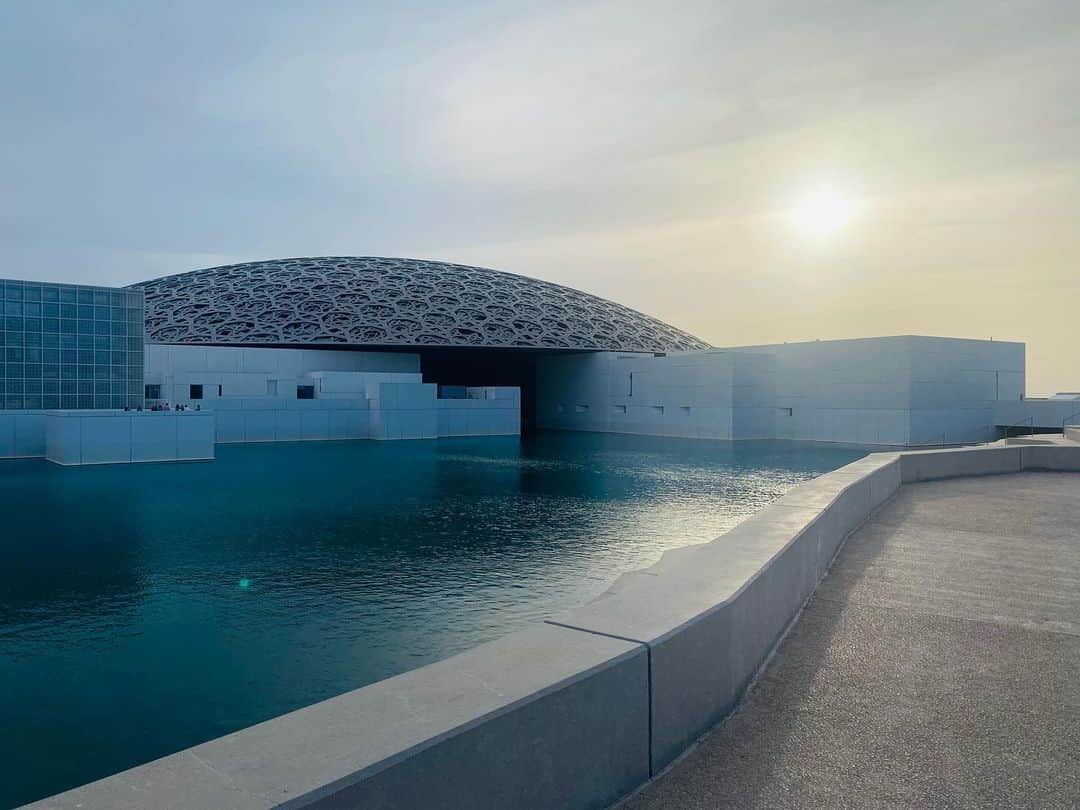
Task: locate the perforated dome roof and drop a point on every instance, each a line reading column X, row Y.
column 364, row 301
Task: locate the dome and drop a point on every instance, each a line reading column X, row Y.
column 363, row 301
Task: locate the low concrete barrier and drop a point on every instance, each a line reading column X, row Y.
column 932, row 464
column 573, row 713
column 74, row 438
column 543, row 718
column 243, row 421
column 711, row 614
column 22, row 434
column 1054, row 458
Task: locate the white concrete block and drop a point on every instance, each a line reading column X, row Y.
column 287, row 426
column 459, row 423
column 194, row 436
column 260, row 426
column 30, row 435
column 337, row 424
column 229, row 426
column 315, row 425
column 154, row 438
column 7, row 435
column 427, row 423
column 105, row 440
column 63, row 439
column 932, row 464
column 358, row 424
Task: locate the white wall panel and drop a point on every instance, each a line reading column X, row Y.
column 891, row 391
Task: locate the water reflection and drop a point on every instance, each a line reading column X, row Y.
column 126, row 632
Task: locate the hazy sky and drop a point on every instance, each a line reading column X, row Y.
column 647, row 152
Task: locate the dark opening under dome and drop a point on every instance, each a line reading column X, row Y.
column 379, row 302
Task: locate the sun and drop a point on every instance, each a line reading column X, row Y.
column 822, row 213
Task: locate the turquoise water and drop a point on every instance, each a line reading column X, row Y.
column 147, row 608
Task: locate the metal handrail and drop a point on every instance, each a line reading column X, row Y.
column 1029, row 419
column 942, row 443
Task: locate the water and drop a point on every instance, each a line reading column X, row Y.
column 146, row 608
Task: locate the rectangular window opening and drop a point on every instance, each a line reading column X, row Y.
column 305, row 392
column 194, row 392
column 152, row 391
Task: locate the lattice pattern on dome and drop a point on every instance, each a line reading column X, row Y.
column 391, row 302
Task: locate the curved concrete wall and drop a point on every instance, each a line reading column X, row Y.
column 575, row 712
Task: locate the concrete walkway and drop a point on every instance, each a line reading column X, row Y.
column 938, row 665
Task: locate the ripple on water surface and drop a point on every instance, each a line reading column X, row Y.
column 147, row 608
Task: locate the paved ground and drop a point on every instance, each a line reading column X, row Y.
column 938, row 665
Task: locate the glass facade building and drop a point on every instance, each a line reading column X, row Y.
column 70, row 346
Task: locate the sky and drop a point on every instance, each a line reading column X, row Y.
column 662, row 155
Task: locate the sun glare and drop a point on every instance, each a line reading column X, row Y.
column 821, row 213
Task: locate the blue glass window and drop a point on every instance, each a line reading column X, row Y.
column 67, row 346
